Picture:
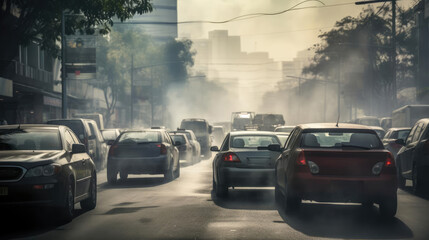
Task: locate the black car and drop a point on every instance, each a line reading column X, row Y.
column 45, row 165
column 147, row 151
column 239, row 163
column 413, row 158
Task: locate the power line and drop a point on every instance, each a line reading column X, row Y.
column 244, row 17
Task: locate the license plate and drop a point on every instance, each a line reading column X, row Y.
column 3, row 191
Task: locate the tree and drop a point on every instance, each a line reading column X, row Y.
column 40, row 20
column 179, row 58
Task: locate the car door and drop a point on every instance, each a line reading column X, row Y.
column 282, row 165
column 87, row 167
column 420, row 143
column 407, row 152
column 76, row 162
column 218, row 157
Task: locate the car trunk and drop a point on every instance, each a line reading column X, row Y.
column 137, row 150
column 256, row 159
column 345, row 163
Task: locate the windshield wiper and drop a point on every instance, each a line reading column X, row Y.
column 355, row 146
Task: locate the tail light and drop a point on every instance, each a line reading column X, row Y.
column 230, row 157
column 112, row 150
column 389, row 160
column 163, row 148
column 301, row 159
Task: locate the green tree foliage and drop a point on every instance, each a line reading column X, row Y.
column 40, row 20
column 358, row 51
column 179, row 57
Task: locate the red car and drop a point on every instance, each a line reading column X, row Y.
column 329, row 163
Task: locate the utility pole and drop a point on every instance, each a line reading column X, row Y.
column 63, row 67
column 393, row 50
column 132, row 91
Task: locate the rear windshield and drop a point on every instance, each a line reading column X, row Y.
column 139, row 137
column 75, row 126
column 401, row 134
column 109, row 135
column 353, row 140
column 30, row 139
column 178, row 138
column 198, row 127
column 252, row 141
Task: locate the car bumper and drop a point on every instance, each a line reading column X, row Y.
column 344, row 189
column 31, row 192
column 145, row 165
column 245, row 177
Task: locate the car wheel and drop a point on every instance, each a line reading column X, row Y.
column 417, row 182
column 221, row 191
column 112, row 174
column 292, row 202
column 123, row 175
column 388, row 207
column 91, row 202
column 177, row 172
column 278, row 196
column 67, row 211
column 401, row 179
column 169, row 174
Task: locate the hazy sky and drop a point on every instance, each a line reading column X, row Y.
column 282, row 35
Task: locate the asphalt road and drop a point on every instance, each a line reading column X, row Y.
column 144, row 207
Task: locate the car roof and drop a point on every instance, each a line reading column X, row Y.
column 376, row 128
column 424, row 120
column 70, row 119
column 399, row 129
column 333, row 126
column 262, row 133
column 285, row 127
column 44, row 126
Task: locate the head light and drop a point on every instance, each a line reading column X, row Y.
column 47, row 170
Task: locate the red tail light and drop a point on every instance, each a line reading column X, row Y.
column 112, row 150
column 389, row 160
column 230, row 157
column 301, row 159
column 163, row 148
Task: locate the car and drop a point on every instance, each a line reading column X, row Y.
column 393, row 134
column 283, row 136
column 88, row 134
column 110, row 135
column 196, row 147
column 386, row 123
column 184, row 146
column 413, row 157
column 239, row 163
column 331, row 162
column 46, row 165
column 146, row 151
column 286, row 129
column 202, row 129
column 379, row 130
column 268, row 122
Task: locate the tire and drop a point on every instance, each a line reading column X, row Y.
column 221, row 191
column 417, row 181
column 401, row 179
column 388, row 207
column 169, row 174
column 91, row 202
column 177, row 172
column 278, row 196
column 292, row 202
column 123, row 175
column 112, row 174
column 66, row 212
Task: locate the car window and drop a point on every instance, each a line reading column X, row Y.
column 402, row 134
column 340, row 139
column 29, row 139
column 69, row 141
column 417, row 133
column 75, row 125
column 225, row 144
column 410, row 136
column 387, row 136
column 253, row 141
column 291, row 139
column 140, row 137
column 75, row 139
column 179, row 138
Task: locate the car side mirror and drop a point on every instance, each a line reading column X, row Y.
column 78, row 148
column 177, row 143
column 400, row 142
column 214, row 149
column 110, row 142
column 274, row 148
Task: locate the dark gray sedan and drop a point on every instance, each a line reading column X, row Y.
column 45, row 165
column 239, row 163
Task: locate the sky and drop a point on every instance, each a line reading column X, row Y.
column 281, row 35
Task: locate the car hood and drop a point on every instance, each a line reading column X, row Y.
column 29, row 157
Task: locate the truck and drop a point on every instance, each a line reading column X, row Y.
column 97, row 117
column 241, row 121
column 268, row 122
column 202, row 130
column 408, row 115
